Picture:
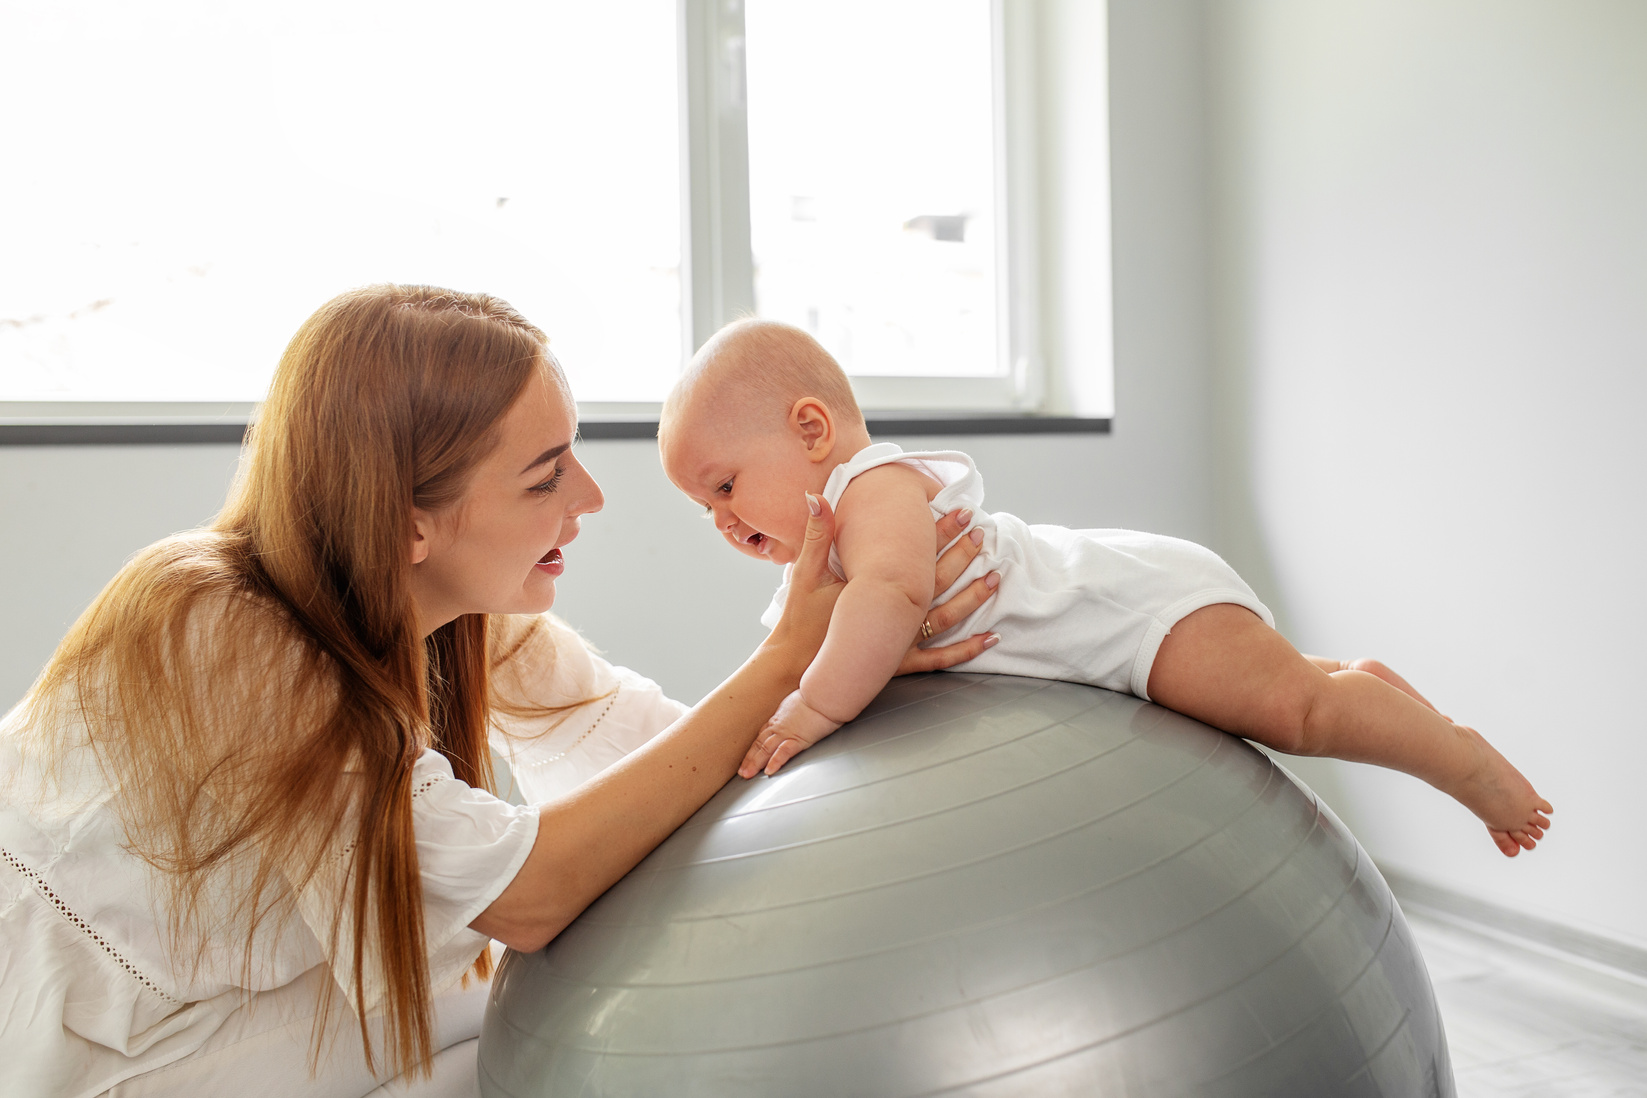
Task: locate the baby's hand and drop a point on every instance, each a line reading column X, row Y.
column 795, row 727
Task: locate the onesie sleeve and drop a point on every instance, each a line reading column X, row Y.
column 774, row 610
column 561, row 713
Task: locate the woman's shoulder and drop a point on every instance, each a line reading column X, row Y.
column 540, row 660
column 192, row 611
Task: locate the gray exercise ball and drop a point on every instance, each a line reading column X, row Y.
column 987, row 886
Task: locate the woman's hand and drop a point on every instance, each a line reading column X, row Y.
column 813, row 589
column 592, row 835
column 940, row 618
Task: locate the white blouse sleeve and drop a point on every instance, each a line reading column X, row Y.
column 590, row 713
column 470, row 845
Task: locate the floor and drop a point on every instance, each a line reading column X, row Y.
column 1522, row 1023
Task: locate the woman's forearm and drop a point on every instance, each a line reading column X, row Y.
column 591, row 837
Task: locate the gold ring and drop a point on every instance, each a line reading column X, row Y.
column 926, row 630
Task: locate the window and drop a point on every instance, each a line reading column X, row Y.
column 630, row 175
column 873, row 206
column 213, row 172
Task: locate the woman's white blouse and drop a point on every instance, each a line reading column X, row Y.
column 89, row 991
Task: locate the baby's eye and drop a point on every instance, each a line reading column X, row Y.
column 727, row 487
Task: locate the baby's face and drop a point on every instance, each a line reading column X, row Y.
column 751, row 484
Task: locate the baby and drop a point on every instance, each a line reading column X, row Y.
column 764, row 418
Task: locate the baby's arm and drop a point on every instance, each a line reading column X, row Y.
column 884, row 536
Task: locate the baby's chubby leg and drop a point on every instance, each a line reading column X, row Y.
column 1223, row 665
column 1374, row 668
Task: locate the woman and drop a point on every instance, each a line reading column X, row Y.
column 257, row 770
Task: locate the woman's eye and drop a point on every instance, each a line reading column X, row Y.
column 549, row 485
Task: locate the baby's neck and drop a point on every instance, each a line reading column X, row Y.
column 847, row 445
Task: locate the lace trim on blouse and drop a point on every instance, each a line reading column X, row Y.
column 418, row 790
column 531, row 763
column 51, row 897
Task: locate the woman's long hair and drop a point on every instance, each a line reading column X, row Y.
column 258, row 691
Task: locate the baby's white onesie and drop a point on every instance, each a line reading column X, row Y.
column 1086, row 606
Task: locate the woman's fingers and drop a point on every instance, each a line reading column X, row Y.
column 941, row 619
column 937, row 659
column 813, row 563
column 955, row 559
column 951, row 525
column 813, row 588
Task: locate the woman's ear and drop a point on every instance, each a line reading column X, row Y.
column 422, row 527
column 812, row 422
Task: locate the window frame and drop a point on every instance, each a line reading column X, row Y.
column 716, row 228
column 718, row 270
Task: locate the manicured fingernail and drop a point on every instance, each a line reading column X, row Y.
column 993, row 580
column 992, row 640
column 814, row 504
column 965, row 515
column 977, row 537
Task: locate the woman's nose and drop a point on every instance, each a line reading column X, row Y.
column 592, row 499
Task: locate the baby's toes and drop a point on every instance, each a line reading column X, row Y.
column 1506, row 845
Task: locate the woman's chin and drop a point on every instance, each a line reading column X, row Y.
column 539, row 593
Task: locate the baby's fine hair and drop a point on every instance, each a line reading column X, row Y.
column 760, row 368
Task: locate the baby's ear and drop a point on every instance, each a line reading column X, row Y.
column 811, row 420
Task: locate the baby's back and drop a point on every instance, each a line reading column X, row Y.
column 1086, row 606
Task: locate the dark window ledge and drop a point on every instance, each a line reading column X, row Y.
column 174, row 434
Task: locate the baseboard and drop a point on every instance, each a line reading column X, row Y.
column 1497, row 921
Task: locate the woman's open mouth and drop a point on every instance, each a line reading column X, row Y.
column 552, row 563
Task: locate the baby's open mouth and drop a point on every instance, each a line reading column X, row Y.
column 757, row 541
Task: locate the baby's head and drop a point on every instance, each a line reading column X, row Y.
column 762, row 416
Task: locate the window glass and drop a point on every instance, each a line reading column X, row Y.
column 872, row 177
column 187, row 181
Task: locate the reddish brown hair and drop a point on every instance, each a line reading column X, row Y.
column 260, row 686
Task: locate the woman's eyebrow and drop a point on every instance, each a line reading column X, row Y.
column 547, row 456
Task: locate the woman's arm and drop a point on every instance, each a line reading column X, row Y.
column 591, row 837
column 797, row 724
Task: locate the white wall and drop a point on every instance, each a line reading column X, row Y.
column 1416, row 435
column 1431, row 344
column 70, row 516
column 648, row 581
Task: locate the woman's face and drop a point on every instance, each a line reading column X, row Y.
column 498, row 550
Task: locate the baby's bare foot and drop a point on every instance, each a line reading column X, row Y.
column 1514, row 813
